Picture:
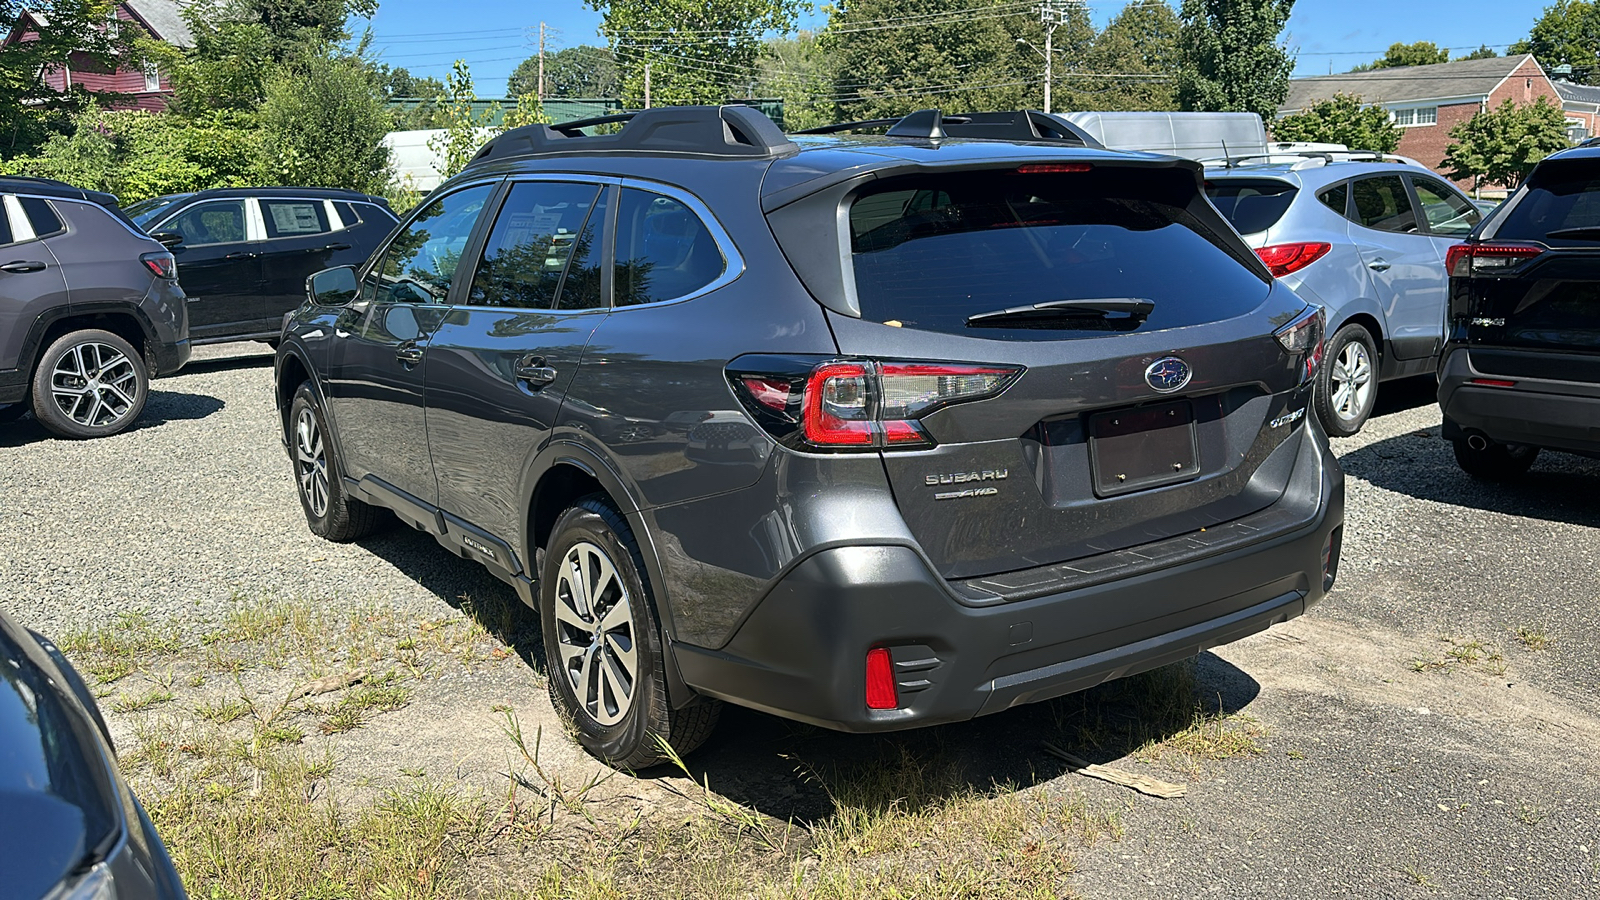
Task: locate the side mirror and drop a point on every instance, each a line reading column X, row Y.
column 333, row 287
column 168, row 239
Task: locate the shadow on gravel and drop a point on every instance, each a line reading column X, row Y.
column 797, row 772
column 1559, row 488
column 1406, row 393
column 161, row 408
column 226, row 364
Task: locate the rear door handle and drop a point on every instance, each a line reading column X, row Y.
column 1379, row 265
column 408, row 353
column 21, row 266
column 335, row 247
column 241, row 256
column 532, row 371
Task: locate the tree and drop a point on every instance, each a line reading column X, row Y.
column 797, row 70
column 323, row 123
column 964, row 61
column 696, row 51
column 399, row 82
column 465, row 129
column 66, row 31
column 1484, row 51
column 1232, row 58
column 1502, row 146
column 1421, row 53
column 1140, row 42
column 1341, row 120
column 295, row 27
column 1568, row 33
column 581, row 71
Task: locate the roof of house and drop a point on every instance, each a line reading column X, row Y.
column 1579, row 93
column 165, row 18
column 1464, row 78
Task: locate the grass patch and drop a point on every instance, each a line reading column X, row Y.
column 1533, row 637
column 1461, row 653
column 136, row 703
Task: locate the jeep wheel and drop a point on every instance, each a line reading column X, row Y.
column 1347, row 384
column 89, row 384
column 318, row 478
column 1494, row 462
column 603, row 646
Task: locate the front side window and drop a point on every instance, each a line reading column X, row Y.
column 218, row 222
column 664, row 251
column 1446, row 211
column 419, row 264
column 540, row 227
column 1382, row 204
column 294, row 218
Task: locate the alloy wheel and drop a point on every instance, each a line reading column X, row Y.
column 1350, row 381
column 311, row 462
column 595, row 633
column 95, row 385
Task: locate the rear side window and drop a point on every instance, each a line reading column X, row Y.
column 1561, row 206
column 664, row 251
column 5, row 228
column 1251, row 206
column 931, row 250
column 42, row 216
column 294, row 218
column 525, row 258
column 1336, row 198
column 1382, row 204
column 348, row 214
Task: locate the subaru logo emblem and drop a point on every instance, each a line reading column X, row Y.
column 1168, row 374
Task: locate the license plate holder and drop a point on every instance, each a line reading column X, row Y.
column 1142, row 447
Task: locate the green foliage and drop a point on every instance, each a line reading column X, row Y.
column 958, row 63
column 1232, row 58
column 464, row 130
column 323, row 123
column 1141, row 40
column 698, row 51
column 1341, row 120
column 1567, row 33
column 296, row 28
column 1502, row 146
column 136, row 154
column 796, row 69
column 529, row 111
column 29, row 109
column 1421, row 53
column 1484, row 51
column 223, row 70
column 581, row 71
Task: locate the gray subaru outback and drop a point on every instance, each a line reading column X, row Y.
column 905, row 423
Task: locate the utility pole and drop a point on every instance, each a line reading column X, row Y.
column 1052, row 17
column 541, row 62
column 646, row 85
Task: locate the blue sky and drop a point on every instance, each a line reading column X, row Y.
column 494, row 35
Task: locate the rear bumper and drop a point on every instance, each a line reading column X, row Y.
column 801, row 653
column 1542, row 412
column 169, row 358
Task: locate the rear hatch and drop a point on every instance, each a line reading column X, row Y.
column 1532, row 282
column 1133, row 405
column 1251, row 205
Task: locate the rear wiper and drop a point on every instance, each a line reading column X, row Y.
column 1135, row 308
column 1592, row 232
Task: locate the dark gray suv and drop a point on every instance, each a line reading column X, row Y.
column 871, row 431
column 90, row 310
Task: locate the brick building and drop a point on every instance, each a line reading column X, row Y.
column 1425, row 102
column 145, row 88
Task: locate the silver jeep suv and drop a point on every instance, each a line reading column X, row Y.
column 1365, row 236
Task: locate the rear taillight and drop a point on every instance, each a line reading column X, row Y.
column 160, row 263
column 1466, row 260
column 1282, row 259
column 1303, row 338
column 857, row 404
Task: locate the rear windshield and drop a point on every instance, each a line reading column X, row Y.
column 931, row 250
column 1251, row 206
column 1564, row 196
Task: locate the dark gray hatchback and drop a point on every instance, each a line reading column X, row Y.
column 868, row 431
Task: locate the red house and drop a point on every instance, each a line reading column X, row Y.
column 144, row 88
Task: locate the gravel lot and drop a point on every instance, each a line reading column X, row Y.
column 1392, row 767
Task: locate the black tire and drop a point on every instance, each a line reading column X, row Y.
column 1495, row 462
column 623, row 737
column 89, row 384
column 330, row 512
column 1343, row 414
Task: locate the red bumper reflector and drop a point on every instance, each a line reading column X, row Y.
column 1493, row 382
column 881, row 692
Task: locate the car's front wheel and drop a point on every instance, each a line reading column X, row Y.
column 1347, row 384
column 603, row 646
column 89, row 384
column 330, row 511
column 1491, row 461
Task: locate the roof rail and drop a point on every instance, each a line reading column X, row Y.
column 738, row 131
column 1307, row 158
column 931, row 124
